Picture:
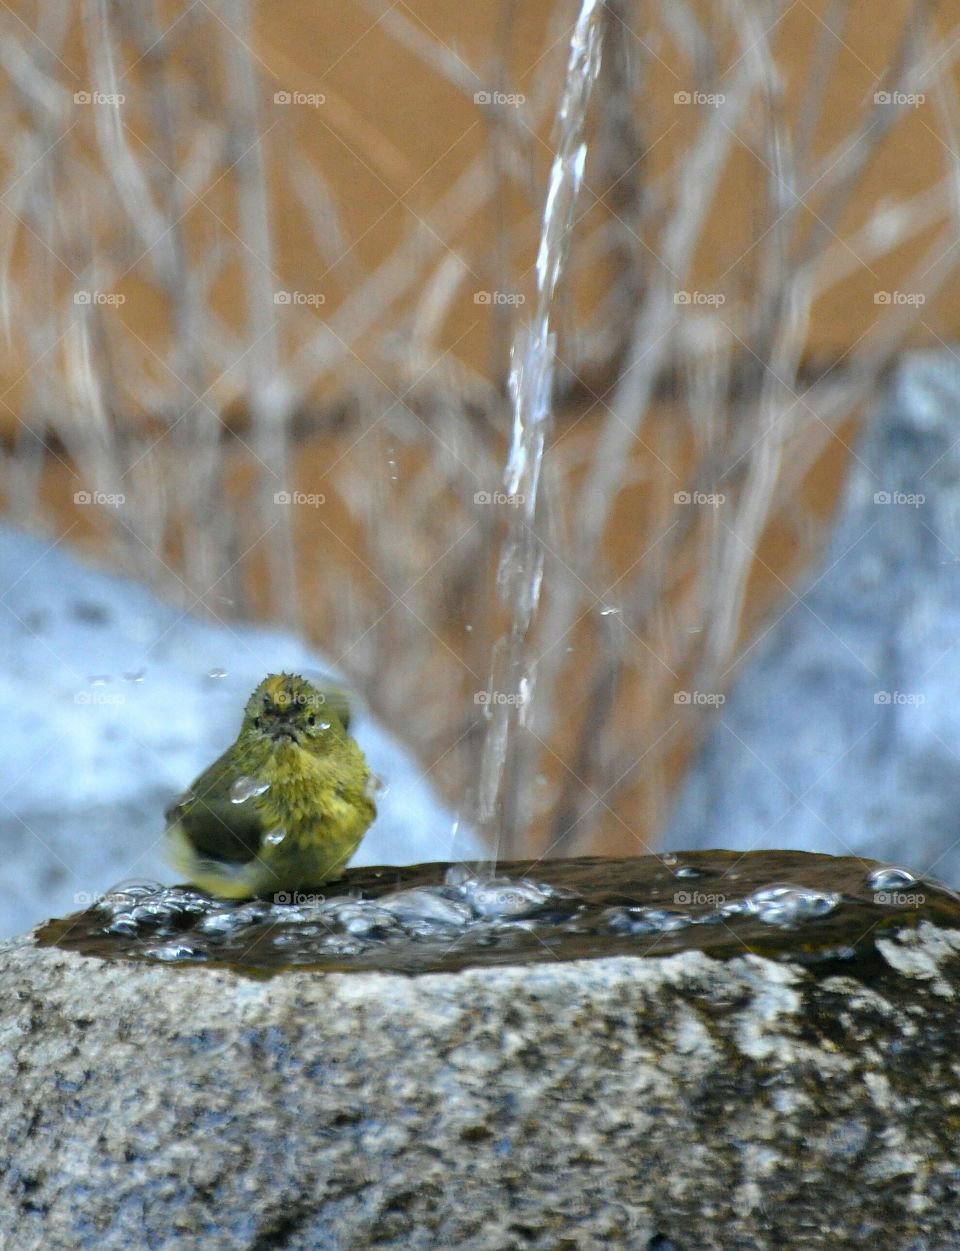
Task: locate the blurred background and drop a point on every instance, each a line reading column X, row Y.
column 261, row 271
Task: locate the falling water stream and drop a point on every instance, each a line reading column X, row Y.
column 504, row 770
column 815, row 909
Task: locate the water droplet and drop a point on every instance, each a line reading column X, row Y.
column 247, row 788
column 646, row 920
column 456, row 875
column 787, row 906
column 274, row 838
column 136, row 676
column 172, row 952
column 468, row 628
column 99, row 679
column 217, row 673
column 688, row 870
column 375, row 787
column 609, row 612
column 424, row 905
column 504, row 896
column 669, row 860
column 890, row 877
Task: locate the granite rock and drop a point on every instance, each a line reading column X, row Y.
column 680, row 1102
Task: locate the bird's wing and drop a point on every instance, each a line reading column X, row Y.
column 216, row 826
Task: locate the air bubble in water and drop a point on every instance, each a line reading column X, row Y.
column 890, row 877
column 787, row 906
column 504, row 896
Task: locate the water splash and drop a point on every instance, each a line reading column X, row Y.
column 504, row 771
column 788, row 905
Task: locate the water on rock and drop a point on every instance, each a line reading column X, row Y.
column 815, row 909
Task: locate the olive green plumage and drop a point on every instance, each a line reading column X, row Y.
column 285, row 807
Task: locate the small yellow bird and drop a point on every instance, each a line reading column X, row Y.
column 285, row 807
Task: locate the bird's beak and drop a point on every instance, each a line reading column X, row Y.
column 282, row 731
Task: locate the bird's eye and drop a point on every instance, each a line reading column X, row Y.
column 311, row 720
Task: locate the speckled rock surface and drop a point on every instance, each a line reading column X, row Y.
column 673, row 1104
